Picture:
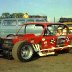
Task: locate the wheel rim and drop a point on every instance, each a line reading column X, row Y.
column 26, row 52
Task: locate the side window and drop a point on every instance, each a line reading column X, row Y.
column 9, row 23
column 20, row 22
column 30, row 20
column 37, row 30
column 40, row 20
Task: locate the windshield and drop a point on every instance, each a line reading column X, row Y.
column 31, row 29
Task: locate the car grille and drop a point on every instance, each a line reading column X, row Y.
column 7, row 43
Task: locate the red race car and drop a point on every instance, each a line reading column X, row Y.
column 36, row 37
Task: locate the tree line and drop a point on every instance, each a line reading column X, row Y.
column 13, row 15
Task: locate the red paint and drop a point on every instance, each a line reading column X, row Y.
column 43, row 41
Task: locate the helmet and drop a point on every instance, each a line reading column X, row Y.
column 60, row 28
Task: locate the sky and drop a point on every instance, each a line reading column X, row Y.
column 50, row 8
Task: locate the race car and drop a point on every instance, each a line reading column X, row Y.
column 41, row 38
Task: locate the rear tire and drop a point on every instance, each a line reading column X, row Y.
column 22, row 51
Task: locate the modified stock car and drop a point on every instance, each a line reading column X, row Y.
column 41, row 38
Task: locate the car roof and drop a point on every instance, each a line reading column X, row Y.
column 42, row 23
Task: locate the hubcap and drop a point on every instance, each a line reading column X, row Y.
column 26, row 52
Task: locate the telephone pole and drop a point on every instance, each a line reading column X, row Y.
column 54, row 19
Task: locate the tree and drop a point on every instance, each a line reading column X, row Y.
column 17, row 15
column 13, row 15
column 5, row 15
column 20, row 15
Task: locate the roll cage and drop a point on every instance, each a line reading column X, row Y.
column 46, row 27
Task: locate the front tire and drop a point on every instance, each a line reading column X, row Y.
column 10, row 35
column 70, row 49
column 22, row 51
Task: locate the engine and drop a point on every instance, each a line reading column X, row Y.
column 7, row 48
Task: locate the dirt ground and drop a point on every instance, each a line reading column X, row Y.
column 60, row 63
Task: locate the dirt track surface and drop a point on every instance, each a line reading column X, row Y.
column 60, row 63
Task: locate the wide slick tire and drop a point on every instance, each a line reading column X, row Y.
column 23, row 51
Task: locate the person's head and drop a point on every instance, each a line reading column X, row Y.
column 64, row 31
column 59, row 30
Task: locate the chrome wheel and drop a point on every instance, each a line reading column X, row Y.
column 23, row 51
column 26, row 52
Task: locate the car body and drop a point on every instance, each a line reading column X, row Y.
column 37, row 37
